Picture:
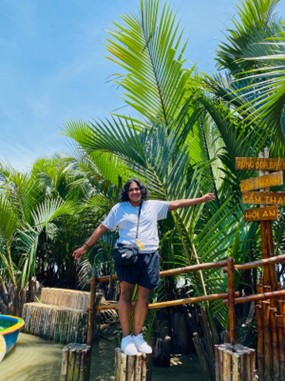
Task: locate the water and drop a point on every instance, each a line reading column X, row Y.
column 32, row 359
column 35, row 359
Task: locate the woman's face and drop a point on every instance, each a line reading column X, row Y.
column 134, row 193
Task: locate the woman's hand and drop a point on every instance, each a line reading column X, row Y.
column 79, row 252
column 208, row 197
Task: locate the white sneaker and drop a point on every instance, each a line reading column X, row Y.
column 141, row 344
column 128, row 345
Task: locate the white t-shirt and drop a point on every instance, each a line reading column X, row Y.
column 124, row 217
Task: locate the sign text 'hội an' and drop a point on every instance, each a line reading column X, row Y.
column 261, row 214
column 265, row 181
column 265, row 198
column 261, row 164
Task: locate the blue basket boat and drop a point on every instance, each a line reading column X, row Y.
column 9, row 331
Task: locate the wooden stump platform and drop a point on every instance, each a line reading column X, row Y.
column 132, row 368
column 234, row 362
column 76, row 360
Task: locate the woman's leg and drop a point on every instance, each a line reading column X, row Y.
column 141, row 308
column 125, row 306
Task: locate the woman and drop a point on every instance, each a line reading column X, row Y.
column 136, row 220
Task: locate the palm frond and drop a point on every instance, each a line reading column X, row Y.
column 148, row 48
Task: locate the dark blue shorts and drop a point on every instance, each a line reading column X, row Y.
column 145, row 272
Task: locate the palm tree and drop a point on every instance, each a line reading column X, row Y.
column 29, row 210
column 172, row 146
column 253, row 58
column 250, row 94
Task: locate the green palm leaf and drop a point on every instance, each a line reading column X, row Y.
column 148, row 48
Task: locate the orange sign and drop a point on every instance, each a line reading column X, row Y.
column 266, row 198
column 261, row 214
column 266, row 181
column 262, row 164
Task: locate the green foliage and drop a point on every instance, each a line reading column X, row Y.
column 182, row 143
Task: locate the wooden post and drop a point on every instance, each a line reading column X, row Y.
column 231, row 299
column 234, row 363
column 260, row 342
column 91, row 311
column 267, row 341
column 132, row 368
column 275, row 349
column 281, row 343
column 269, row 274
column 75, row 364
column 162, row 351
column 269, row 278
column 218, row 363
column 206, row 374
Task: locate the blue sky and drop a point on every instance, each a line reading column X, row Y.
column 53, row 65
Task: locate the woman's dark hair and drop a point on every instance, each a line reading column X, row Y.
column 125, row 193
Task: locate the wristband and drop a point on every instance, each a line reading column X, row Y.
column 85, row 244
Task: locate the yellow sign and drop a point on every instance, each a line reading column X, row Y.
column 262, row 164
column 266, row 198
column 261, row 214
column 266, row 181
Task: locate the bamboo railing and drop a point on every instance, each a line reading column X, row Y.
column 270, row 310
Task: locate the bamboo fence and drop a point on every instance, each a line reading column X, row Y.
column 59, row 322
column 270, row 318
column 270, row 315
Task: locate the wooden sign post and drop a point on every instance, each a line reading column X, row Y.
column 273, row 176
column 256, row 191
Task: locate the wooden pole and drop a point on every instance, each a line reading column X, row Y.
column 281, row 343
column 162, row 351
column 261, row 262
column 269, row 274
column 231, row 299
column 270, row 250
column 256, row 297
column 91, row 311
column 177, row 271
column 227, row 364
column 275, row 349
column 267, row 341
column 172, row 303
column 205, row 266
column 204, row 365
column 281, row 334
column 260, row 343
column 266, row 272
column 218, row 363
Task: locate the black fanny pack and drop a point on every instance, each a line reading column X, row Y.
column 126, row 254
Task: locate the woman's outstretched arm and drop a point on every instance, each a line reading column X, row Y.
column 184, row 203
